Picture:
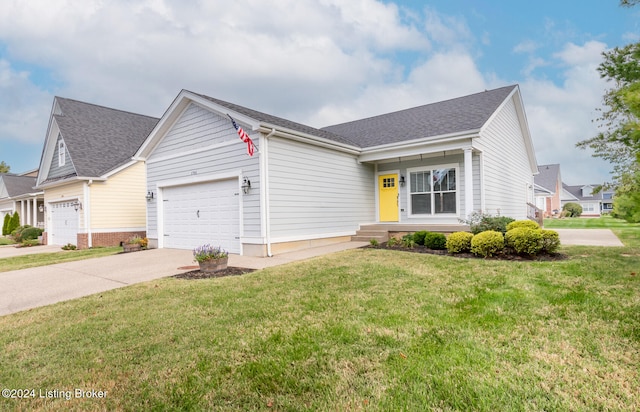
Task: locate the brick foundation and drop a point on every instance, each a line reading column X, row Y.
column 44, row 238
column 113, row 238
column 83, row 241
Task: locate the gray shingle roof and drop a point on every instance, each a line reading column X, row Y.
column 577, row 192
column 436, row 119
column 100, row 139
column 18, row 185
column 548, row 176
column 278, row 121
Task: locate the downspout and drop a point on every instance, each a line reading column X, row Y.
column 264, row 150
column 87, row 212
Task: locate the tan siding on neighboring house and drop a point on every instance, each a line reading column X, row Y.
column 120, row 203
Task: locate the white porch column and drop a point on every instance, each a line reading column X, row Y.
column 21, row 212
column 28, row 207
column 468, row 182
column 34, row 223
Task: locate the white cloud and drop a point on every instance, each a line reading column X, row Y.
column 527, row 46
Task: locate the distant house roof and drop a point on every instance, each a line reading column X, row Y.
column 17, row 185
column 576, row 192
column 463, row 114
column 100, row 139
column 547, row 177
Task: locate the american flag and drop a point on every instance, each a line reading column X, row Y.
column 244, row 137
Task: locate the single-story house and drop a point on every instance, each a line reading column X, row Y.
column 548, row 189
column 429, row 165
column 94, row 192
column 17, row 194
column 593, row 204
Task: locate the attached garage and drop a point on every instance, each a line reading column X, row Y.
column 64, row 223
column 202, row 213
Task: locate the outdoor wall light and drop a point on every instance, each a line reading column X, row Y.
column 77, row 205
column 41, row 208
column 149, row 196
column 402, row 181
column 246, row 185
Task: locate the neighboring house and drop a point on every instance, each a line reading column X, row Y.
column 548, row 189
column 429, row 165
column 94, row 193
column 593, row 204
column 17, row 193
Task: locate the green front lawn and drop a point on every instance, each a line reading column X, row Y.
column 6, row 241
column 361, row 330
column 45, row 259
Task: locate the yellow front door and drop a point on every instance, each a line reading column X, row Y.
column 388, row 197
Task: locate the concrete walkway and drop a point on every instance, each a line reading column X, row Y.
column 588, row 237
column 30, row 288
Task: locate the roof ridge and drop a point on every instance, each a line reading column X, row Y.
column 423, row 105
column 105, row 107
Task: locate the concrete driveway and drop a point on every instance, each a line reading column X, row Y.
column 10, row 251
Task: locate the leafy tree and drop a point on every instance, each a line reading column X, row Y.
column 4, row 168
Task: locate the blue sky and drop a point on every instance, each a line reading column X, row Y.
column 317, row 62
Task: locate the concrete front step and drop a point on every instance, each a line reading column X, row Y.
column 380, row 239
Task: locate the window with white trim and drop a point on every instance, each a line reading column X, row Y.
column 61, row 153
column 433, row 191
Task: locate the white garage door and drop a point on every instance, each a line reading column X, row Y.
column 203, row 213
column 64, row 224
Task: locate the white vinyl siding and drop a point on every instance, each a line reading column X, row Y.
column 202, row 144
column 507, row 173
column 316, row 191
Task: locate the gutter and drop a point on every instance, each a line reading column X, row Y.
column 307, row 138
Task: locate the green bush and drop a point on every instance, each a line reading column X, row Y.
column 488, row 243
column 524, row 240
column 31, row 233
column 407, row 241
column 418, row 237
column 436, row 241
column 30, row 242
column 5, row 225
column 392, row 242
column 459, row 242
column 530, row 224
column 550, row 240
column 572, row 209
column 374, row 242
column 481, row 222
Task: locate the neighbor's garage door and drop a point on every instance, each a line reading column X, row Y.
column 203, row 213
column 64, row 224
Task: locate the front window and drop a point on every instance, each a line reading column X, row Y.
column 433, row 191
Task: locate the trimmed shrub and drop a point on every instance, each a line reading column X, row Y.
column 30, row 233
column 550, row 240
column 5, row 225
column 572, row 209
column 488, row 243
column 459, row 242
column 408, row 242
column 530, row 224
column 436, row 241
column 524, row 240
column 418, row 237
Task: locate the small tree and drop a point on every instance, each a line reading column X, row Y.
column 4, row 168
column 5, row 224
column 14, row 223
column 572, row 209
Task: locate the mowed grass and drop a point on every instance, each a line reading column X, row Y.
column 367, row 329
column 45, row 259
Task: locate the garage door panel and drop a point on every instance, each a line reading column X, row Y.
column 202, row 213
column 64, row 224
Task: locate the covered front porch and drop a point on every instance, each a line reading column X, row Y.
column 30, row 208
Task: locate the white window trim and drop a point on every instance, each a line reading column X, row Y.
column 454, row 166
column 62, row 149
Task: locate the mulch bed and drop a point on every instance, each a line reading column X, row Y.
column 542, row 257
column 229, row 271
